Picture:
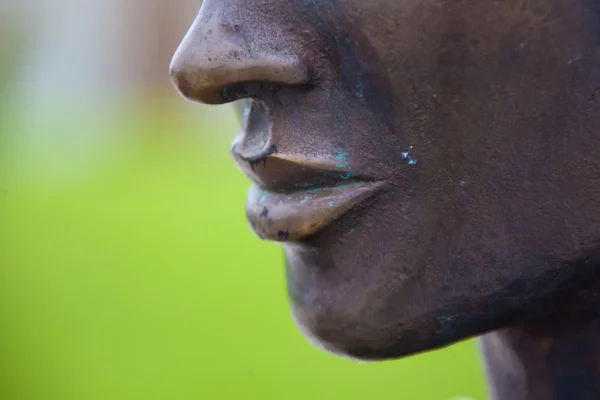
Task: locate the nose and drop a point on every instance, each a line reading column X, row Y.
column 224, row 49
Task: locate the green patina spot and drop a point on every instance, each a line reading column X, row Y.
column 262, row 197
column 342, row 160
column 306, row 198
column 330, row 204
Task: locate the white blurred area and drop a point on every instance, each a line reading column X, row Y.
column 70, row 68
column 87, row 51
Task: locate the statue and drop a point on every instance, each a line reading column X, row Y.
column 431, row 169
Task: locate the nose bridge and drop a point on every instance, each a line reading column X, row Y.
column 222, row 49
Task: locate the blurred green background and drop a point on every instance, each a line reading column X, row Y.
column 127, row 269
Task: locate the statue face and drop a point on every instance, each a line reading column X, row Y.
column 428, row 166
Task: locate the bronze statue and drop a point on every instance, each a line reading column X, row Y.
column 431, row 168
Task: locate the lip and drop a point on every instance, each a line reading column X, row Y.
column 279, row 171
column 300, row 214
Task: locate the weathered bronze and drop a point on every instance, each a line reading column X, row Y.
column 431, row 168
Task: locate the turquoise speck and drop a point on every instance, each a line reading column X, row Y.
column 262, row 197
column 342, row 160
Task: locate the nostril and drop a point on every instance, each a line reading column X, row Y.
column 234, row 92
column 247, row 90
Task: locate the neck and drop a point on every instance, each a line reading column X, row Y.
column 556, row 357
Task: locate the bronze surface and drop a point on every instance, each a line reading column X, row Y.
column 430, row 167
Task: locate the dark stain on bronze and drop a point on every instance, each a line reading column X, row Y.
column 349, row 52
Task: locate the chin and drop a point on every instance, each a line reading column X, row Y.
column 335, row 341
column 360, row 341
column 350, row 320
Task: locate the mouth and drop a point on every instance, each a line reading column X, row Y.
column 294, row 198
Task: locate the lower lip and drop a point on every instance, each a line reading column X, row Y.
column 294, row 216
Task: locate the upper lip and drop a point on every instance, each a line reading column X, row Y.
column 276, row 171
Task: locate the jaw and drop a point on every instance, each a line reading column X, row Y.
column 368, row 311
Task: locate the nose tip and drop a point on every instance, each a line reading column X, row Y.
column 217, row 54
